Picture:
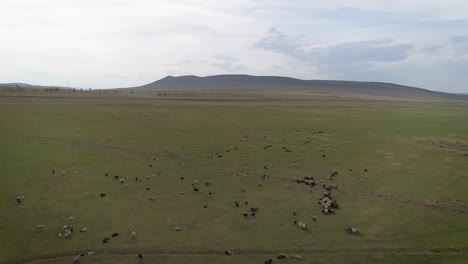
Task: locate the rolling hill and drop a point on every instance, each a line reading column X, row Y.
column 276, row 83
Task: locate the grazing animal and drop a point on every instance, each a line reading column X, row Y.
column 281, row 257
column 20, row 199
column 115, row 234
column 122, row 180
column 133, row 235
column 64, row 173
column 67, row 233
column 102, row 194
column 352, row 230
column 208, row 184
column 195, row 189
column 105, row 240
column 116, row 177
column 152, row 199
column 314, row 218
column 302, row 225
column 177, row 228
column 91, row 253
column 76, row 259
column 298, row 257
column 39, row 228
column 228, row 253
column 84, row 229
column 245, row 215
column 269, row 261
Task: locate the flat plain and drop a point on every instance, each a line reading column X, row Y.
column 402, row 178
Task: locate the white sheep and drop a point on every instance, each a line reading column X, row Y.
column 67, row 233
column 133, row 235
column 302, row 225
column 39, row 228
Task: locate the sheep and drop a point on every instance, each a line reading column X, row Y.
column 105, row 240
column 281, row 257
column 102, row 194
column 268, row 261
column 91, row 253
column 116, row 177
column 195, row 189
column 75, row 172
column 298, row 257
column 177, row 228
column 301, row 225
column 71, row 218
column 64, row 173
column 20, row 199
column 76, row 260
column 314, row 218
column 67, row 233
column 39, row 228
column 352, row 230
column 133, row 235
column 115, row 234
column 84, row 229
column 122, row 180
column 228, row 253
column 245, row 215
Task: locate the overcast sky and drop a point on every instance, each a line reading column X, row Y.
column 117, row 43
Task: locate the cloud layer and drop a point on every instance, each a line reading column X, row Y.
column 117, row 43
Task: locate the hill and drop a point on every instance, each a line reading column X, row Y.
column 276, row 83
column 31, row 86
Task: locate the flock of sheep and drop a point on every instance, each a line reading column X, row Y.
column 327, row 203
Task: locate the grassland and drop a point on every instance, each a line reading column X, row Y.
column 411, row 205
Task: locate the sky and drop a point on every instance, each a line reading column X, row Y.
column 117, row 43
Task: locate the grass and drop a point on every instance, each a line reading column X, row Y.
column 414, row 153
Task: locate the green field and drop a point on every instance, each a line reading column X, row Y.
column 411, row 205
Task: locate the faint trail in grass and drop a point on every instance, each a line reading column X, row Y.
column 250, row 252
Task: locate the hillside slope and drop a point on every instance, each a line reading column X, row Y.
column 275, row 83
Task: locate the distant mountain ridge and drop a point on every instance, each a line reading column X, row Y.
column 31, row 86
column 249, row 82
